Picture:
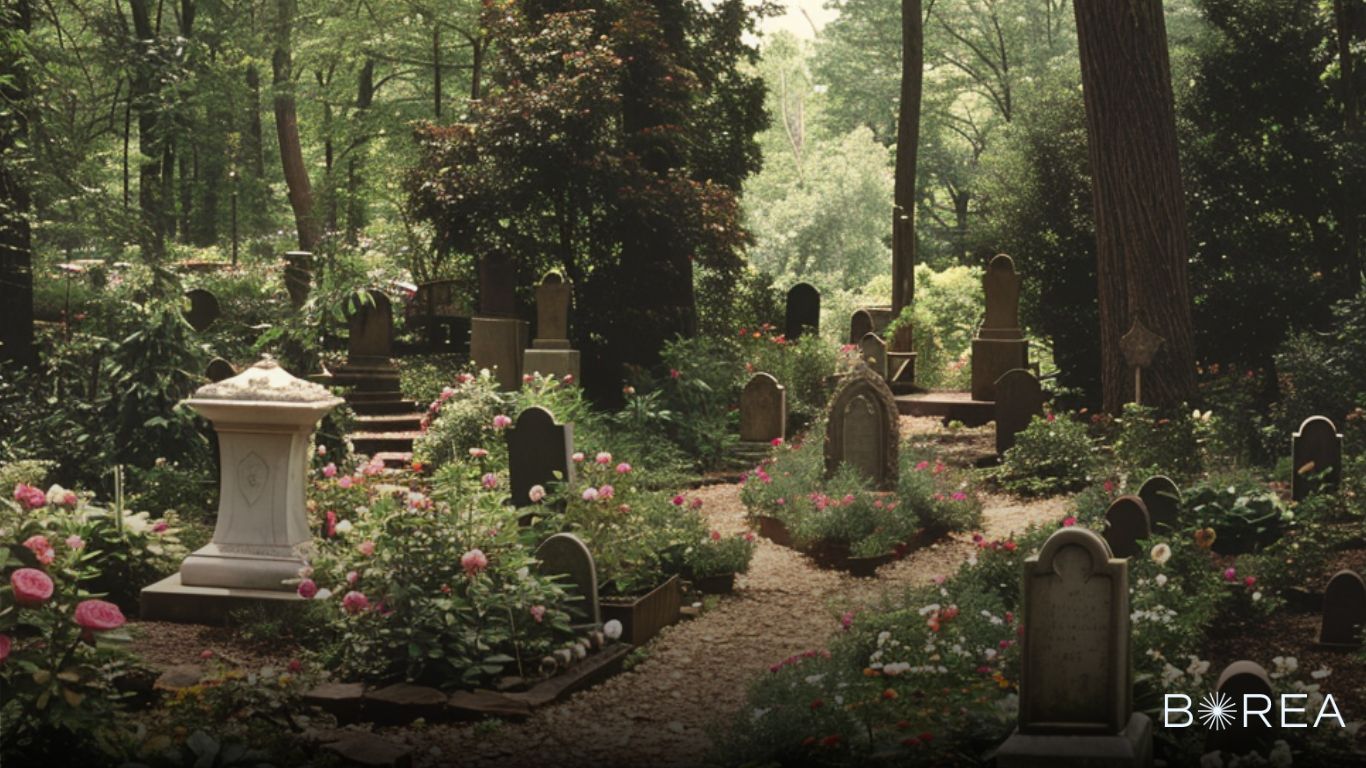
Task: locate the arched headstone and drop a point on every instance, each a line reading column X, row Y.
column 1126, row 524
column 763, row 410
column 371, row 325
column 203, row 309
column 868, row 320
column 1162, row 497
column 537, row 449
column 873, row 353
column 565, row 554
column 1240, row 679
column 862, row 428
column 1019, row 398
column 803, row 311
column 999, row 345
column 550, row 352
column 1315, row 450
column 1344, row 611
column 219, row 369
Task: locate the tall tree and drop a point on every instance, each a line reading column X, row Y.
column 1141, row 240
column 907, row 147
column 16, row 240
column 1349, row 18
column 287, row 127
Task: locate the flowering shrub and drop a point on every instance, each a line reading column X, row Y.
column 1243, row 514
column 1051, row 455
column 1151, row 442
column 717, row 555
column 434, row 590
column 801, row 366
column 460, row 418
column 940, row 497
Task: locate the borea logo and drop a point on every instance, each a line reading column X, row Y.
column 1218, row 711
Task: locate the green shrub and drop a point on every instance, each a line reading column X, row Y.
column 1150, row 442
column 1244, row 514
column 717, row 555
column 1051, row 455
column 461, row 418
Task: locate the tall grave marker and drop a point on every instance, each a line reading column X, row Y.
column 1019, row 398
column 999, row 345
column 1316, row 453
column 550, row 353
column 862, row 428
column 803, row 311
column 538, row 448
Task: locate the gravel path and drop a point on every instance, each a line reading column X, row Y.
column 697, row 672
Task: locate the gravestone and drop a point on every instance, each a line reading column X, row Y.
column 1344, row 611
column 999, row 345
column 497, row 337
column 1316, row 448
column 803, row 311
column 1019, row 398
column 565, row 554
column 219, row 369
column 298, row 276
column 1163, row 499
column 1239, row 679
column 550, row 353
column 763, row 410
column 537, row 449
column 203, row 310
column 862, row 429
column 371, row 325
column 873, row 353
column 868, row 320
column 1126, row 524
column 1076, row 683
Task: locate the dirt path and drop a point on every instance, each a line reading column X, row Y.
column 697, row 672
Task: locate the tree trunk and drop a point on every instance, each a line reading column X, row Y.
column 477, row 46
column 1350, row 19
column 355, row 202
column 1141, row 238
column 436, row 70
column 256, row 149
column 907, row 146
column 287, row 129
column 151, row 201
column 16, row 239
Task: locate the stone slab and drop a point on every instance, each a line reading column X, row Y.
column 497, row 343
column 991, row 359
column 587, row 673
column 170, row 600
column 478, row 704
column 1132, row 747
column 552, row 362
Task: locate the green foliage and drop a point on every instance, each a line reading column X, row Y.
column 460, row 419
column 1149, row 442
column 1244, row 514
column 1051, row 455
column 717, row 555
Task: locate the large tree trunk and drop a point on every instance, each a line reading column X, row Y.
column 287, row 130
column 1141, row 239
column 1350, row 19
column 16, row 241
column 907, row 146
column 151, row 138
column 355, row 175
column 256, row 149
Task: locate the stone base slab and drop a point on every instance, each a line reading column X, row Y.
column 1131, row 748
column 552, row 362
column 991, row 358
column 171, row 600
column 211, row 566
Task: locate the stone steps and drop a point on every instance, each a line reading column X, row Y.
column 395, row 459
column 372, row 443
column 407, row 421
column 950, row 406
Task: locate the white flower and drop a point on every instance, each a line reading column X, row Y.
column 1161, row 579
column 343, row 527
column 1161, row 554
column 1321, row 673
column 895, row 669
column 536, row 493
column 1257, row 597
column 883, row 637
column 323, row 594
column 612, row 630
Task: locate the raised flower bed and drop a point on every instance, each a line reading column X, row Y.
column 643, row 617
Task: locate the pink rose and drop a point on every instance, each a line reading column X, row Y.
column 750, row 537
column 161, row 526
column 568, row 378
column 30, row 497
column 345, row 482
column 478, row 453
column 330, row 470
column 715, row 535
column 501, row 422
column 606, row 492
column 1230, row 574
column 696, row 504
column 590, row 494
column 490, row 481
column 331, row 524
column 367, row 548
column 36, row 544
column 352, row 577
column 536, row 493
column 775, row 442
column 623, row 468
column 99, row 615
column 537, row 613
column 1069, row 521
column 75, row 543
column 322, row 450
column 603, row 458
column 1250, row 581
column 5, row 644
column 31, row 587
column 474, row 562
column 308, row 588
column 354, row 602
column 577, row 457
column 678, row 500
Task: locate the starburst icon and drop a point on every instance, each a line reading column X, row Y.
column 1216, row 711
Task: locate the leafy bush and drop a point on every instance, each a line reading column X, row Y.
column 717, row 555
column 461, row 418
column 941, row 498
column 1244, row 514
column 802, row 367
column 1150, row 442
column 1051, row 455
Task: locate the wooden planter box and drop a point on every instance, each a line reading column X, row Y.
column 642, row 618
column 721, row 584
column 774, row 530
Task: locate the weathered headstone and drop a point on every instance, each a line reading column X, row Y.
column 1242, row 735
column 371, row 325
column 1162, row 497
column 763, row 410
column 219, row 369
column 537, row 449
column 862, row 428
column 298, row 276
column 203, row 310
column 1344, row 611
column 999, row 345
column 1126, row 524
column 565, row 553
column 868, row 320
column 550, row 353
column 803, row 311
column 1019, row 398
column 1076, row 684
column 1316, row 453
column 873, row 353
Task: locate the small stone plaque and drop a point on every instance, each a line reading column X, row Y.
column 1344, row 611
column 1127, row 524
column 1316, row 449
column 565, row 554
column 1075, row 677
column 763, row 409
column 371, row 325
column 1163, row 499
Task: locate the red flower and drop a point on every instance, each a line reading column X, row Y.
column 31, row 587
column 833, row 740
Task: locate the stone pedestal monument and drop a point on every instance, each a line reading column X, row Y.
column 497, row 337
column 550, row 353
column 999, row 346
column 1076, row 686
column 264, row 418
